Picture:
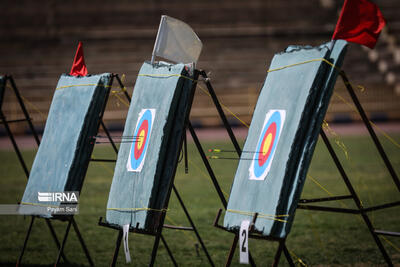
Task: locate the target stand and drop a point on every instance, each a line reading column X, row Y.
column 90, row 142
column 161, row 214
column 12, row 85
column 305, row 203
column 8, row 82
column 279, row 235
column 360, row 210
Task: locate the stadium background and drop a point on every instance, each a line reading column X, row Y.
column 38, row 41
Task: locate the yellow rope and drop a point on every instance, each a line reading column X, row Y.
column 34, row 107
column 123, row 78
column 318, row 184
column 304, row 62
column 326, row 190
column 338, row 142
column 387, row 136
column 225, row 107
column 91, row 84
column 120, row 99
column 260, row 215
column 137, row 209
column 390, row 243
column 166, row 76
column 77, row 85
column 297, row 259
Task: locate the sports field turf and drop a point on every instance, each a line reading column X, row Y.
column 317, row 238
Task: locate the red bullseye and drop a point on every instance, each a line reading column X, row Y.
column 267, row 144
column 142, row 138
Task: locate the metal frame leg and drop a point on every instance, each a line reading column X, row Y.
column 287, row 255
column 63, row 242
column 14, row 143
column 207, row 165
column 232, row 251
column 169, row 251
column 108, row 136
column 122, row 87
column 116, row 250
column 25, row 168
column 82, row 242
column 192, row 225
column 371, row 131
column 278, row 253
column 22, row 105
column 53, row 233
column 221, row 113
column 155, row 245
column 25, row 241
column 355, row 198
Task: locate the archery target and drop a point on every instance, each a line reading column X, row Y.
column 267, row 144
column 141, row 135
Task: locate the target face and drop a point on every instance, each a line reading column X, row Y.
column 142, row 133
column 267, row 144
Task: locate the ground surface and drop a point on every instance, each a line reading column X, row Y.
column 317, row 238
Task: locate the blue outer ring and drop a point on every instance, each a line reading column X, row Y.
column 259, row 170
column 135, row 163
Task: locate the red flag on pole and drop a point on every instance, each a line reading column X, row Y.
column 79, row 67
column 360, row 22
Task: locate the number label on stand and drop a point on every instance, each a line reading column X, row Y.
column 244, row 242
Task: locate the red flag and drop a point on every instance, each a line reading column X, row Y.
column 79, row 67
column 360, row 22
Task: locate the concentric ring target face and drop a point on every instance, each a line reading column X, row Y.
column 141, row 135
column 267, row 144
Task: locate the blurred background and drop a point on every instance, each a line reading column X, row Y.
column 38, row 40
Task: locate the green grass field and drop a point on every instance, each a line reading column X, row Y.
column 317, row 238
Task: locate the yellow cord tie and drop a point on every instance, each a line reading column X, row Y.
column 137, row 209
column 34, row 107
column 122, row 89
column 167, row 76
column 77, row 85
column 338, row 142
column 387, row 136
column 225, row 107
column 390, row 243
column 297, row 259
column 120, row 99
column 305, row 62
column 261, row 215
